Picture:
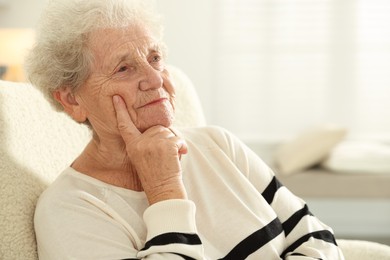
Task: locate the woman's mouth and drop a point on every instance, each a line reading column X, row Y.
column 154, row 102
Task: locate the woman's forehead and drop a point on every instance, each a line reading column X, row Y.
column 112, row 45
column 107, row 38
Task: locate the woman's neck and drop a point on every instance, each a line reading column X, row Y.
column 108, row 162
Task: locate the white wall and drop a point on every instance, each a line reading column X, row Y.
column 188, row 34
column 20, row 13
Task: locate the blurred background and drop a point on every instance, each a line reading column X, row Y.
column 268, row 69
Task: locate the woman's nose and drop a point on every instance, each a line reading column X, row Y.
column 151, row 78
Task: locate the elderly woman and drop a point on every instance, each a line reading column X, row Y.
column 140, row 189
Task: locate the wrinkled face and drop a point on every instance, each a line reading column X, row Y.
column 127, row 62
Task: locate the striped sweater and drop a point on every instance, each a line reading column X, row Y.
column 236, row 209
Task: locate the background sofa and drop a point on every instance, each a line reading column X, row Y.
column 37, row 143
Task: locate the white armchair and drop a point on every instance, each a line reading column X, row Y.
column 36, row 143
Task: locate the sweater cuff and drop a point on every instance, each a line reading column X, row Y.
column 167, row 216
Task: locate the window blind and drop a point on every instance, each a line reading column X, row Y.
column 284, row 65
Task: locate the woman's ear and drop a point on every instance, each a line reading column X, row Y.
column 67, row 99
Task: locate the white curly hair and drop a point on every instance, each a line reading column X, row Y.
column 61, row 57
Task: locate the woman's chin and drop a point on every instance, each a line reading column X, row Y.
column 165, row 122
column 162, row 115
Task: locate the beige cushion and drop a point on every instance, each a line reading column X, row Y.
column 307, row 149
column 188, row 107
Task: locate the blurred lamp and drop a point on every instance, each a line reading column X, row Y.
column 14, row 44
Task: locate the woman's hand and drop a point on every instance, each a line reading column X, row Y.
column 155, row 154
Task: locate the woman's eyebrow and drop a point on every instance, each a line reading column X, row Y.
column 128, row 55
column 116, row 59
column 154, row 47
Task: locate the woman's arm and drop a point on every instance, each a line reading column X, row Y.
column 306, row 236
column 80, row 224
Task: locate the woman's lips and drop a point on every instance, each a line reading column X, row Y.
column 154, row 102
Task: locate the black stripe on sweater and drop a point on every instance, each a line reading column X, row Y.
column 173, row 238
column 324, row 235
column 292, row 221
column 255, row 241
column 271, row 189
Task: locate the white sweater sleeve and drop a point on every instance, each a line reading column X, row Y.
column 171, row 230
column 306, row 235
column 85, row 227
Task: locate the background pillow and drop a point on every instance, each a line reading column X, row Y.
column 307, row 149
column 359, row 157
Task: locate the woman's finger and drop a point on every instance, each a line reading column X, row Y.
column 125, row 125
column 182, row 147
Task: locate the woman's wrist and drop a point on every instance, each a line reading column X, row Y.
column 166, row 191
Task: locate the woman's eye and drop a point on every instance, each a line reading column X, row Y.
column 156, row 58
column 122, row 69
